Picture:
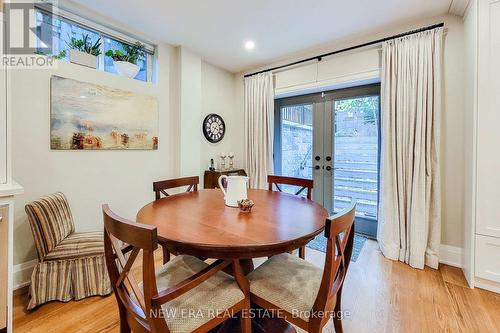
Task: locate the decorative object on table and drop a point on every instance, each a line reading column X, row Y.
column 83, row 52
column 213, row 128
column 231, row 157
column 125, row 61
column 211, row 177
column 223, row 161
column 212, row 165
column 71, row 264
column 236, row 189
column 245, row 205
column 94, row 117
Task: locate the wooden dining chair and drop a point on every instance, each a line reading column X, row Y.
column 167, row 299
column 311, row 296
column 160, row 188
column 303, row 184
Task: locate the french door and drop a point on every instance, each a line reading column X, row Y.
column 333, row 138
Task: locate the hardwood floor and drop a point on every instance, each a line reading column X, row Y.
column 379, row 296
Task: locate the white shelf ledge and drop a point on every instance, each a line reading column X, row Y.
column 10, row 189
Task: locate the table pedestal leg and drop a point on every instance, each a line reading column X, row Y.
column 259, row 325
column 262, row 325
column 246, row 266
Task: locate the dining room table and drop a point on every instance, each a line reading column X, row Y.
column 199, row 223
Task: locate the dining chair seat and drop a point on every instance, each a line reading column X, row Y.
column 78, row 245
column 288, row 282
column 199, row 305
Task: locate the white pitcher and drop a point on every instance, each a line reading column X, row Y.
column 236, row 189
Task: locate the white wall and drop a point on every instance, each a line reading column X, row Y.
column 361, row 66
column 187, row 89
column 452, row 138
column 218, row 96
column 190, row 111
column 470, row 107
column 88, row 178
column 203, row 89
column 340, row 71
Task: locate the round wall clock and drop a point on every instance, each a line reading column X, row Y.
column 214, row 128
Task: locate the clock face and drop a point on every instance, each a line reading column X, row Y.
column 214, row 128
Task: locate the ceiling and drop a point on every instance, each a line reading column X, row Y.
column 218, row 29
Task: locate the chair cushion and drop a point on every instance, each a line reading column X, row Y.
column 288, row 282
column 50, row 220
column 201, row 304
column 78, row 245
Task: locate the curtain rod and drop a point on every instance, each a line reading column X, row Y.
column 378, row 41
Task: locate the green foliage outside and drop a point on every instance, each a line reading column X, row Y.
column 58, row 56
column 366, row 107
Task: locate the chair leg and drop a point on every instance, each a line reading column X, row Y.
column 166, row 254
column 124, row 327
column 337, row 319
column 302, row 252
column 245, row 322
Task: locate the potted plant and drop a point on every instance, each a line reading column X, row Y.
column 83, row 52
column 125, row 61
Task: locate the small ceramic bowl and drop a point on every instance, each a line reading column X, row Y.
column 245, row 205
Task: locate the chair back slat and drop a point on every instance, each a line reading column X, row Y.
column 303, row 184
column 339, row 231
column 136, row 234
column 160, row 187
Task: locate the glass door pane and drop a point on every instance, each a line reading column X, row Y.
column 296, row 146
column 356, row 151
column 333, row 139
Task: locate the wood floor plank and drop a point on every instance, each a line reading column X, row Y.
column 453, row 275
column 379, row 296
column 473, row 315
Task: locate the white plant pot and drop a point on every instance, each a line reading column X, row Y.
column 126, row 68
column 82, row 58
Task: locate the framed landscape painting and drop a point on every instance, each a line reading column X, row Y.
column 87, row 116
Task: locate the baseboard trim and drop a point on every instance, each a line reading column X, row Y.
column 450, row 255
column 21, row 290
column 22, row 273
column 487, row 285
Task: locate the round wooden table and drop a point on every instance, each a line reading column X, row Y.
column 200, row 224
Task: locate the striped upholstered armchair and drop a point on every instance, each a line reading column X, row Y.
column 71, row 264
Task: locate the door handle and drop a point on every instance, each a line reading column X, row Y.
column 328, row 168
column 317, row 167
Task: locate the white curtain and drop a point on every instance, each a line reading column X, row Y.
column 410, row 209
column 259, row 122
